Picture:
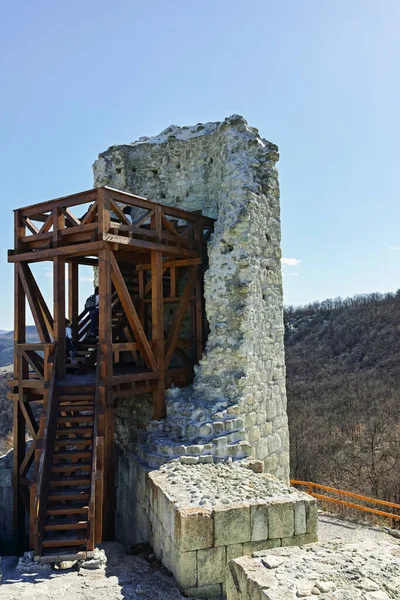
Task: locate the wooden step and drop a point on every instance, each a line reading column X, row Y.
column 75, row 390
column 65, row 524
column 75, row 419
column 75, row 431
column 71, row 468
column 62, row 496
column 84, row 406
column 67, row 510
column 73, row 442
column 61, row 542
column 65, row 481
column 60, row 555
column 72, row 454
column 79, row 398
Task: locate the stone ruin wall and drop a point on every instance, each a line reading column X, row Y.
column 237, row 404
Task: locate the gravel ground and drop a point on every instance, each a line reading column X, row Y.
column 133, row 578
column 331, row 528
column 126, row 577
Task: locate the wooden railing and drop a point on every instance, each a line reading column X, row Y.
column 34, row 362
column 40, row 502
column 95, row 515
column 53, row 224
column 311, row 487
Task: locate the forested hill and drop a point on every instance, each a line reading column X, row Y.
column 343, row 385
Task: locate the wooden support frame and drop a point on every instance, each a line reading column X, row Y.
column 147, row 262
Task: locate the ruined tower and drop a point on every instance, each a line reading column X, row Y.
column 236, row 406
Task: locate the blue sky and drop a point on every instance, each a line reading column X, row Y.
column 319, row 78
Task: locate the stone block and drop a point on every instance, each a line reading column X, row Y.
column 251, row 547
column 166, row 513
column 184, row 567
column 300, row 518
column 300, row 540
column 232, row 525
column 234, row 551
column 211, row 565
column 193, row 529
column 205, row 592
column 259, row 522
column 312, row 516
column 143, row 523
column 281, row 518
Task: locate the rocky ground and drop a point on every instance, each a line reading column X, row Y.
column 131, row 577
column 366, row 570
column 126, row 577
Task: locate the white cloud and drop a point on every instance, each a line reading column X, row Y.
column 394, row 247
column 86, row 279
column 292, row 262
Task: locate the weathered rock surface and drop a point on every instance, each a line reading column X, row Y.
column 332, row 571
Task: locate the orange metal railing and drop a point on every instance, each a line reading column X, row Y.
column 311, row 487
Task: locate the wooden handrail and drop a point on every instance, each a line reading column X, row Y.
column 311, row 485
column 45, row 460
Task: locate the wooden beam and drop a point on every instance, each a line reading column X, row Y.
column 18, row 459
column 86, row 249
column 58, row 223
column 19, row 300
column 106, row 423
column 131, row 314
column 47, row 225
column 103, row 212
column 28, row 460
column 48, row 319
column 70, row 217
column 34, row 304
column 180, row 315
column 135, row 243
column 65, row 201
column 118, row 213
column 187, row 262
column 90, row 215
column 29, row 417
column 59, row 311
column 157, row 317
column 31, row 226
column 73, row 297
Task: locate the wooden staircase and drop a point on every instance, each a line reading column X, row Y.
column 69, row 493
column 67, row 510
column 86, row 347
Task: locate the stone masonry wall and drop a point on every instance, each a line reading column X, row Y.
column 237, row 405
column 197, row 518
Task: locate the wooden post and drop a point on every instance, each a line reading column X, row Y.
column 106, row 421
column 200, row 310
column 157, row 317
column 20, row 372
column 18, row 457
column 73, row 297
column 103, row 212
column 199, row 297
column 59, row 312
